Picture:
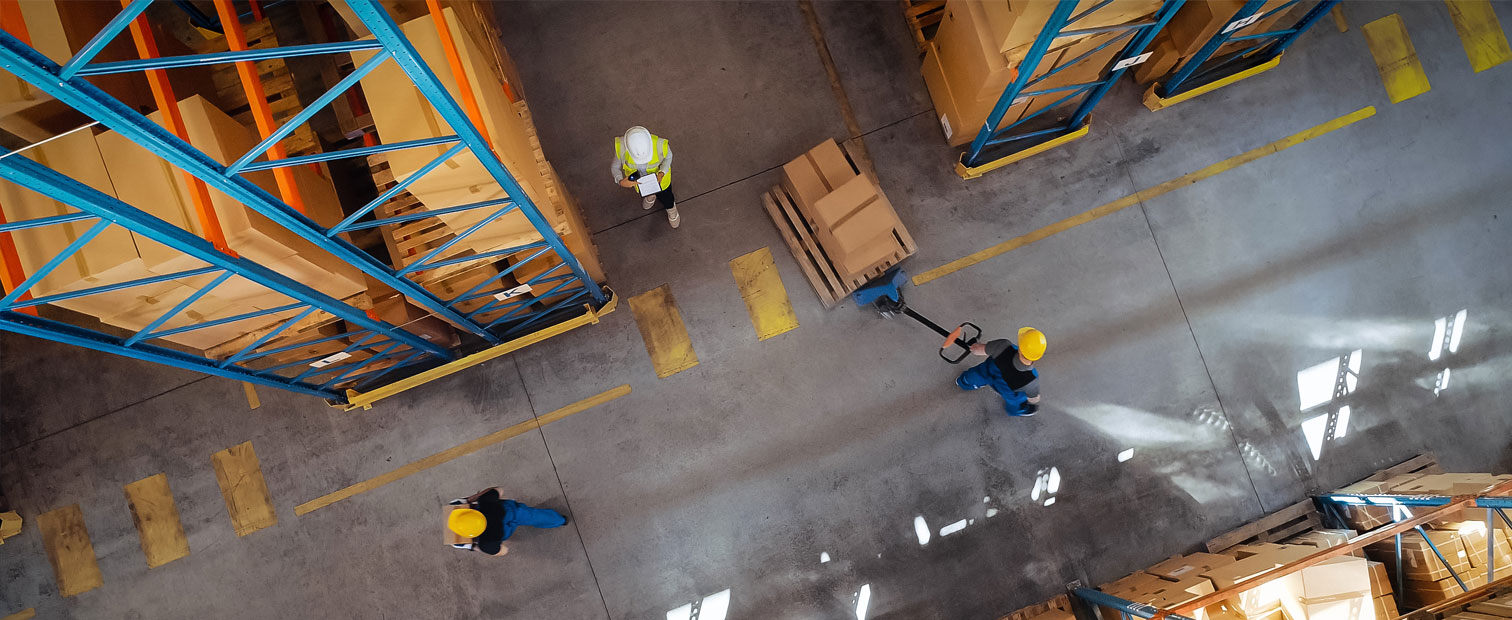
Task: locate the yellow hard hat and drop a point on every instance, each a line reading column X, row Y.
column 1031, row 343
column 466, row 522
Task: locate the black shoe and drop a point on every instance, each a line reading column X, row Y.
column 457, row 502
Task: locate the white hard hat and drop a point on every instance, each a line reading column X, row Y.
column 638, row 142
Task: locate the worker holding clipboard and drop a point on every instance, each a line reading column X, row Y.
column 643, row 161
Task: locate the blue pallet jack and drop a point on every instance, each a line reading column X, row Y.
column 885, row 294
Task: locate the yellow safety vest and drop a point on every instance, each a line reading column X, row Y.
column 628, row 166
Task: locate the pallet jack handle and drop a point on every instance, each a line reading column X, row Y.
column 886, row 294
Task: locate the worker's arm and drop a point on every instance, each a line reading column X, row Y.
column 617, row 169
column 993, row 348
column 665, row 168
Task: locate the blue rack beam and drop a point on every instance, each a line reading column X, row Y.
column 1135, row 37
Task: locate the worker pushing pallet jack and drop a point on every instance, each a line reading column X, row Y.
column 1009, row 369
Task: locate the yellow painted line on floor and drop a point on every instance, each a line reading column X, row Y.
column 69, row 550
column 246, row 493
column 157, row 520
column 1395, row 58
column 1142, row 195
column 766, row 298
column 1481, row 33
column 252, row 401
column 661, row 327
column 25, row 614
column 1338, row 18
column 461, row 450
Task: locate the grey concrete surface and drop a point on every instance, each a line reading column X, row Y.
column 1177, row 329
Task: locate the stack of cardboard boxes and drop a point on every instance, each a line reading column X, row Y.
column 980, row 47
column 1461, row 538
column 1197, row 22
column 1497, row 607
column 827, row 200
column 1343, row 587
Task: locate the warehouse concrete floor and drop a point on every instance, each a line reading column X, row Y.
column 793, row 475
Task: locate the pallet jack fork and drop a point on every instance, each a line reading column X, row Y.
column 886, row 295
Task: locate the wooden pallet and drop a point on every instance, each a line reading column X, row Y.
column 1303, row 516
column 923, row 16
column 278, row 86
column 832, row 285
column 1061, row 602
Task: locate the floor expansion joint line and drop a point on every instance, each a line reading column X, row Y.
column 461, row 450
column 551, row 459
column 1142, row 195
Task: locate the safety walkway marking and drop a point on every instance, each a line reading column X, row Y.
column 1480, row 32
column 25, row 614
column 766, row 299
column 253, row 401
column 68, row 549
column 661, row 327
column 157, row 520
column 1142, row 195
column 460, row 450
column 242, row 485
column 1401, row 72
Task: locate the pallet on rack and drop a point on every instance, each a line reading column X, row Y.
column 830, row 283
column 278, row 86
column 1060, row 603
column 922, row 17
column 1303, row 516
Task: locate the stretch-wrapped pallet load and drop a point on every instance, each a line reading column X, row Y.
column 980, row 47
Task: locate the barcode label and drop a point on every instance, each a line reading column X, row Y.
column 514, row 292
column 330, row 359
column 1237, row 24
column 1129, row 62
column 945, row 124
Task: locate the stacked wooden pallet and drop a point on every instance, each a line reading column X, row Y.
column 981, row 45
column 837, row 222
column 278, row 85
column 1195, row 23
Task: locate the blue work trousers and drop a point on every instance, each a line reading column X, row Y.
column 987, row 374
column 517, row 514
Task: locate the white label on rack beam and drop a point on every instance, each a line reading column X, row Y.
column 1237, row 24
column 514, row 292
column 330, row 359
column 945, row 124
column 1129, row 62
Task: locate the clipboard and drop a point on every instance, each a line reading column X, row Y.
column 648, row 184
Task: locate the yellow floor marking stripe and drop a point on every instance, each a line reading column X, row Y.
column 461, row 450
column 1395, row 58
column 970, row 172
column 661, row 327
column 1142, row 195
column 766, row 298
column 241, row 481
column 1338, row 18
column 252, row 401
column 1480, row 32
column 69, row 550
column 157, row 520
column 1155, row 102
column 25, row 614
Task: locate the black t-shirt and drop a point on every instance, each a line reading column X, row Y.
column 493, row 536
column 1020, row 378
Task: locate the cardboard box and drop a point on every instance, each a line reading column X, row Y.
column 1280, row 553
column 399, row 311
column 1450, row 484
column 1053, row 614
column 1380, row 580
column 1356, row 606
column 1366, row 518
column 1419, row 561
column 960, row 119
column 1197, row 22
column 1385, row 608
column 1418, row 593
column 1340, row 577
column 1322, row 539
column 816, row 173
column 1226, row 611
column 973, row 64
column 1473, row 536
column 1163, row 60
column 1131, row 584
column 1262, row 599
column 854, row 224
column 1016, row 28
column 1500, row 607
column 1194, row 564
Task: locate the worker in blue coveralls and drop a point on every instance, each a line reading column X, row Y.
column 1009, row 371
column 488, row 520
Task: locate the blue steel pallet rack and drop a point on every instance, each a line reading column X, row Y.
column 384, row 342
column 1203, row 73
column 1496, row 502
column 993, row 147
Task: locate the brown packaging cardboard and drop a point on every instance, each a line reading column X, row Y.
column 1194, row 564
column 816, row 173
column 1385, row 608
